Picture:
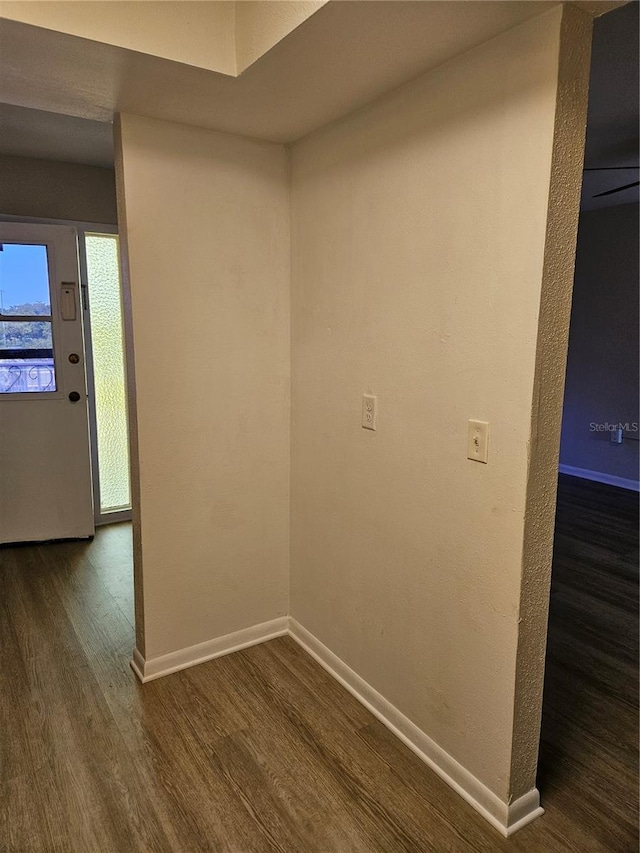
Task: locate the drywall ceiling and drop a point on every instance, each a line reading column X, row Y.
column 343, row 56
column 218, row 35
column 118, row 79
column 259, row 26
column 595, row 8
column 51, row 136
column 612, row 123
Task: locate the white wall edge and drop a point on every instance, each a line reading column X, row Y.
column 157, row 667
column 506, row 818
column 599, row 477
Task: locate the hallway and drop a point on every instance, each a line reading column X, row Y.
column 263, row 751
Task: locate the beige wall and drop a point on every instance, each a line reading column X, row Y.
column 418, row 243
column 195, row 32
column 427, row 267
column 207, row 244
column 48, row 189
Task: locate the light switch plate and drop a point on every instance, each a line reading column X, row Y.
column 478, row 441
column 369, row 411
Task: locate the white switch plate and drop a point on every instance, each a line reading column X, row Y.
column 369, row 411
column 478, row 441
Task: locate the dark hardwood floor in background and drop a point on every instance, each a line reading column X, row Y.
column 263, row 751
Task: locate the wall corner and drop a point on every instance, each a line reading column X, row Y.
column 551, row 354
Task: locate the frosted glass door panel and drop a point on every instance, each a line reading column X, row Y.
column 107, row 344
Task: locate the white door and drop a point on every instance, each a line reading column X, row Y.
column 45, row 469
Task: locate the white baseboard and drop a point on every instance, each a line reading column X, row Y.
column 599, row 477
column 137, row 665
column 147, row 670
column 506, row 818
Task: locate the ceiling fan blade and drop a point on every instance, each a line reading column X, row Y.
column 617, row 189
column 609, row 168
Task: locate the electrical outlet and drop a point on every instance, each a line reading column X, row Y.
column 478, row 441
column 369, row 411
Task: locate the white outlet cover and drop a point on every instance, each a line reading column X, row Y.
column 369, row 411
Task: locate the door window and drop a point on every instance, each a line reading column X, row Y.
column 27, row 362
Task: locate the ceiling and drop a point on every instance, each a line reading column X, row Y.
column 339, row 59
column 342, row 57
column 52, row 136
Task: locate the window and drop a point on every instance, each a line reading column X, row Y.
column 26, row 343
column 107, row 345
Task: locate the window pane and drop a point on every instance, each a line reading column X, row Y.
column 24, row 279
column 26, row 346
column 25, row 375
column 105, row 308
column 25, row 334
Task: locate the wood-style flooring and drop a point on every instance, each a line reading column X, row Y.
column 263, row 751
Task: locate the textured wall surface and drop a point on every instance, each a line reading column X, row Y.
column 416, row 275
column 546, row 408
column 602, row 368
column 207, row 245
column 47, row 189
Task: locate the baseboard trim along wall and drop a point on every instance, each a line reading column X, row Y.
column 599, row 477
column 157, row 667
column 506, row 818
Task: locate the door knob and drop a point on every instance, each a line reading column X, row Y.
column 74, row 396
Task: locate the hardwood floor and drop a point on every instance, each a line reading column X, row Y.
column 263, row 751
column 589, row 749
